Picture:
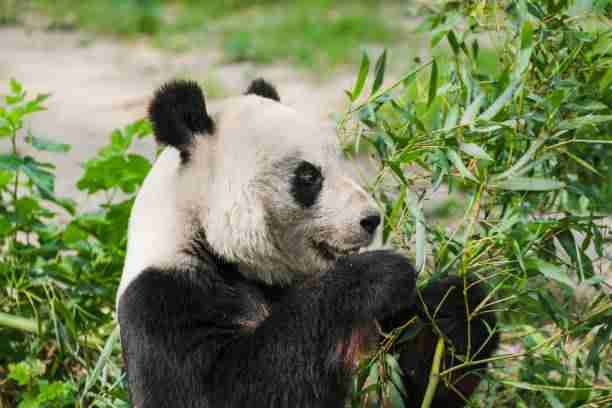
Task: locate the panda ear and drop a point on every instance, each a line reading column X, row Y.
column 264, row 89
column 178, row 113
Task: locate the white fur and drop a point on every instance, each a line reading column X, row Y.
column 233, row 186
column 154, row 232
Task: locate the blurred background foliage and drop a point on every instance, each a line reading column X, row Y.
column 492, row 159
column 310, row 34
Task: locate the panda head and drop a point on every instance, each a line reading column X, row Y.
column 256, row 184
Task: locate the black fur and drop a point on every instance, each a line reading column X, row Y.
column 306, row 184
column 211, row 338
column 264, row 89
column 178, row 113
column 207, row 339
column 443, row 301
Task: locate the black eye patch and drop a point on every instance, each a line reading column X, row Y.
column 306, row 184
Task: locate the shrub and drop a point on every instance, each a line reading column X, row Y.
column 58, row 278
column 520, row 134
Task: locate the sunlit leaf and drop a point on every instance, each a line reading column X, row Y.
column 552, row 271
column 529, row 184
column 379, row 72
column 48, row 145
column 454, row 158
column 361, row 76
column 501, row 101
column 475, row 151
column 433, row 82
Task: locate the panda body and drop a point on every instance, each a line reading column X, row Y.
column 244, row 284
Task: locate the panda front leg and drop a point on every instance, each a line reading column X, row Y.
column 185, row 343
column 301, row 355
column 442, row 308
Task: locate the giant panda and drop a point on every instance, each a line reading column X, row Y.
column 247, row 282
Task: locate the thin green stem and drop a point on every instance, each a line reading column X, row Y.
column 19, row 323
column 434, row 375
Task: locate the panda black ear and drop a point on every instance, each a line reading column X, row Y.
column 178, row 113
column 264, row 89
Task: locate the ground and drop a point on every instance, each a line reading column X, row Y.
column 98, row 85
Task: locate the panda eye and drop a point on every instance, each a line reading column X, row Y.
column 306, row 173
column 306, row 184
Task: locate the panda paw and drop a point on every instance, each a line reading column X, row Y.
column 449, row 302
column 385, row 281
column 445, row 298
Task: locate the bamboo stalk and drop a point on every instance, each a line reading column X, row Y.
column 434, row 375
column 19, row 323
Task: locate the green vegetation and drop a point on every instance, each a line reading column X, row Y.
column 519, row 131
column 526, row 142
column 58, row 279
column 312, row 34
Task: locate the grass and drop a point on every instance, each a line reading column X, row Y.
column 316, row 34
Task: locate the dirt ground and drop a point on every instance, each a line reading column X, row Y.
column 98, row 85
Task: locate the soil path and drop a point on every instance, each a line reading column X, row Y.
column 100, row 85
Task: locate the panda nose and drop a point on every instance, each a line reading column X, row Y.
column 370, row 223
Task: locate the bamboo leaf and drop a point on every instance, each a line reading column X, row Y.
column 582, row 121
column 472, row 110
column 528, row 184
column 433, row 82
column 48, row 145
column 524, row 159
column 602, row 339
column 526, row 47
column 416, row 208
column 454, row 158
column 361, row 77
column 379, row 72
column 475, row 151
column 501, row 101
column 16, row 87
column 553, row 272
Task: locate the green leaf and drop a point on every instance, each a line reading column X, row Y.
column 582, row 121
column 475, row 151
column 364, row 69
column 552, row 399
column 552, row 271
column 40, row 177
column 16, row 87
column 394, row 166
column 454, row 158
column 452, row 40
column 528, row 184
column 566, row 239
column 74, row 234
column 48, row 145
column 26, row 371
column 501, row 100
column 55, row 391
column 472, row 110
column 475, row 49
column 420, row 235
column 602, row 340
column 5, row 226
column 525, row 159
column 114, row 171
column 433, row 83
column 526, row 47
column 379, row 72
column 10, row 162
column 29, row 401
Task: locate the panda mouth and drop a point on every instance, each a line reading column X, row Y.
column 332, row 252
